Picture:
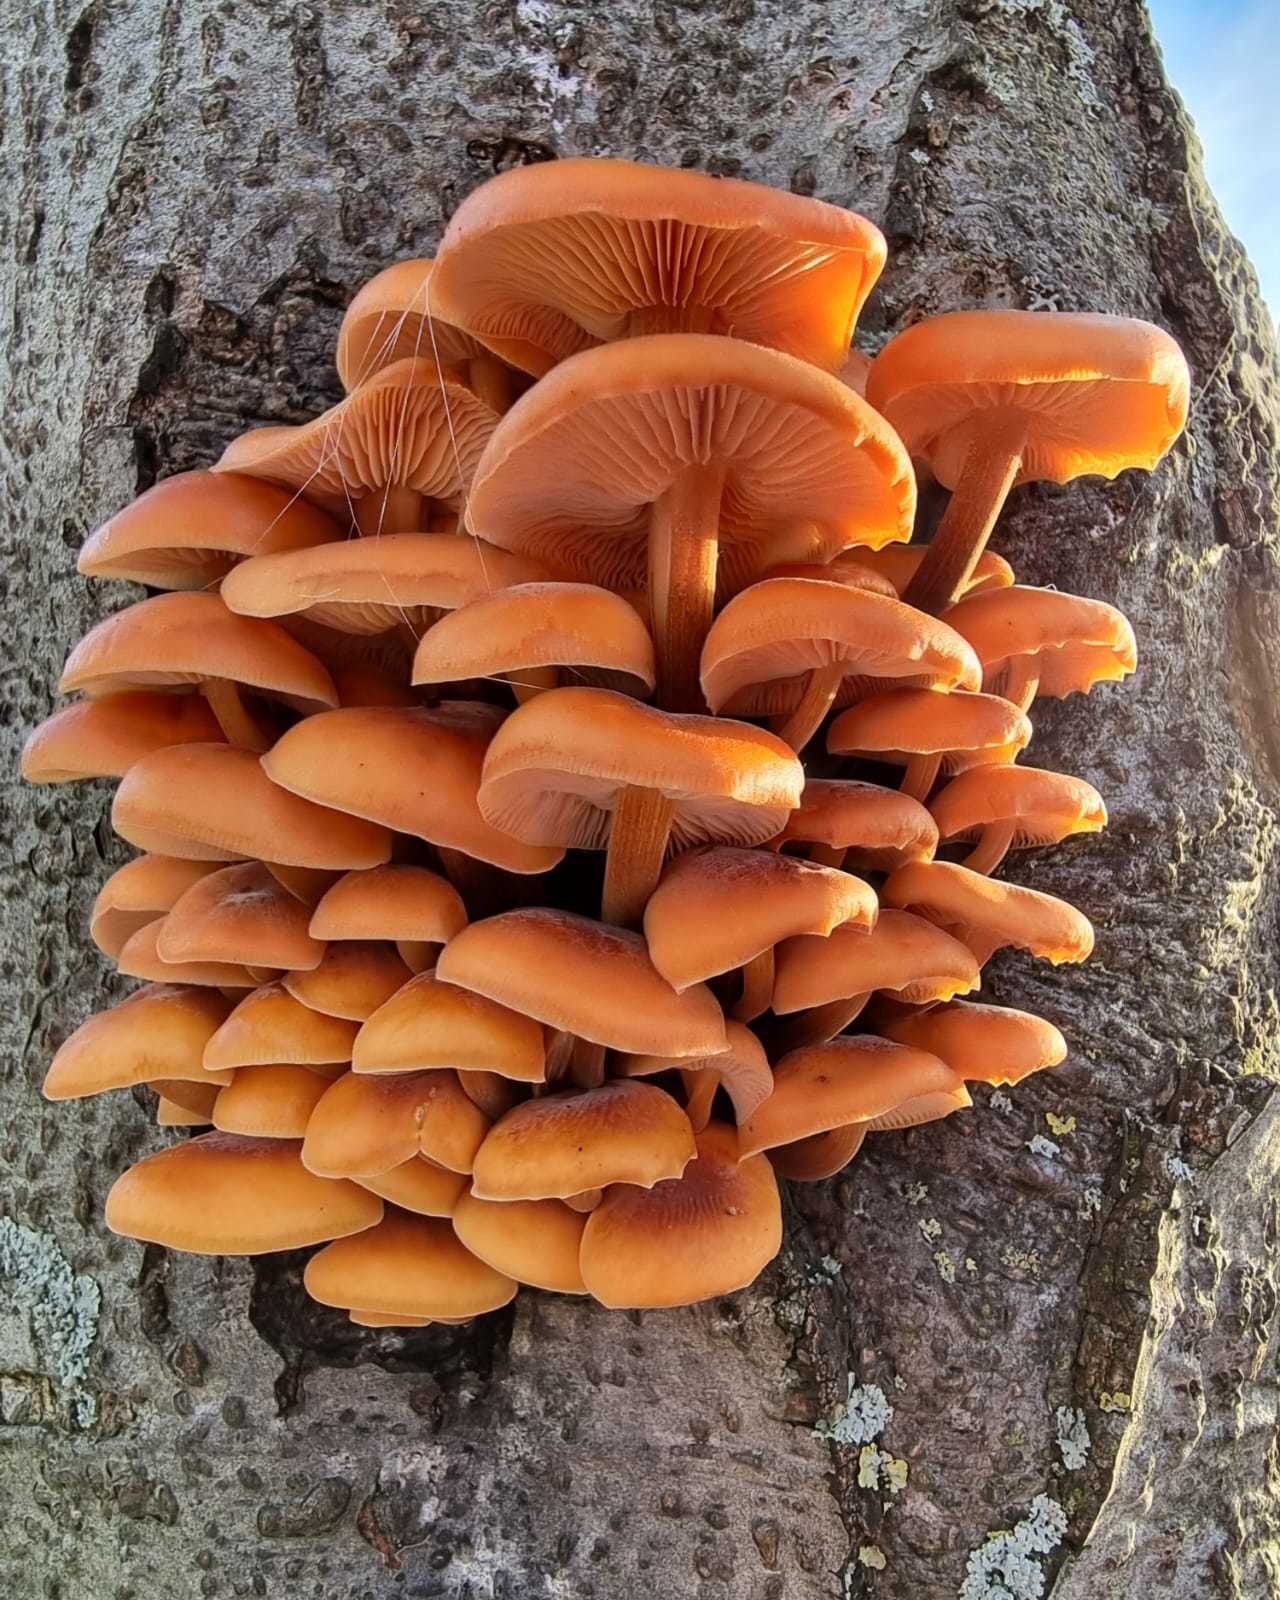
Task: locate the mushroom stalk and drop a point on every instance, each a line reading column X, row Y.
column 637, row 846
column 234, row 717
column 1022, row 682
column 819, row 1024
column 818, row 698
column 991, row 848
column 394, row 508
column 586, row 1065
column 920, row 775
column 757, row 987
column 559, row 1057
column 992, row 465
column 482, row 886
column 683, row 532
column 491, row 382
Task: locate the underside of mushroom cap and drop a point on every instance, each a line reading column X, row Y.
column 1069, row 641
column 986, row 914
column 742, row 1070
column 967, row 730
column 879, row 828
column 429, row 1023
column 899, row 563
column 159, row 1032
column 903, row 954
column 985, row 1044
column 102, row 738
column 407, row 1264
column 1039, row 807
column 394, row 318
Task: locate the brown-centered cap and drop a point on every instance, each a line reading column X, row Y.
column 239, row 914
column 988, row 914
column 103, row 738
column 158, row 1033
column 586, row 978
column 354, row 978
column 225, row 1194
column 140, row 958
column 416, row 771
column 559, row 764
column 966, row 730
column 214, row 802
column 1038, row 807
column 364, row 1126
column 561, row 1144
column 534, row 1241
column 189, row 531
column 985, row 1044
column 140, row 892
column 269, row 1102
column 706, row 1233
column 397, row 901
column 855, row 1078
column 1098, row 393
column 1067, row 641
column 742, row 1071
column 903, row 954
column 577, row 463
column 393, row 318
column 428, row 1023
column 879, row 829
column 717, row 909
column 270, row 1026
column 407, row 1264
column 899, row 563
column 418, row 1185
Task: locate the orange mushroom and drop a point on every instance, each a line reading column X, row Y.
column 899, row 563
column 416, row 908
column 158, row 1033
column 985, row 1044
column 269, row 1026
column 238, row 914
column 928, row 733
column 987, row 915
column 103, row 738
column 742, row 1070
column 139, row 892
column 1009, row 808
column 140, row 958
column 818, row 1155
column 429, row 1023
column 861, row 825
column 418, row 1185
column 269, row 1102
column 534, row 1241
column 406, row 1264
column 363, row 1126
column 354, row 977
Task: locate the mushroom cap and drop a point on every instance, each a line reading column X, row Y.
column 899, row 563
column 967, row 730
column 365, row 586
column 576, row 464
column 534, row 1241
column 706, row 1233
column 269, row 1026
column 269, row 1102
column 364, row 1126
column 560, row 764
column 428, row 1023
column 717, row 909
column 418, row 1185
column 585, row 978
column 1099, row 393
column 903, row 954
column 535, row 625
column 851, row 574
column 169, row 1114
column 140, row 958
column 742, row 1070
column 415, row 770
column 985, row 1044
column 561, row 1144
column 188, row 531
column 103, row 738
column 548, row 259
column 139, row 892
column 853, row 1078
column 214, row 802
column 159, row 1032
column 239, row 914
column 1043, row 807
column 391, row 902
column 1072, row 641
column 763, row 645
column 178, row 640
column 820, row 1155
column 197, row 1100
column 225, row 1194
column 879, row 828
column 406, row 1264
column 391, row 319
column 354, row 978
column 987, row 913
column 410, row 425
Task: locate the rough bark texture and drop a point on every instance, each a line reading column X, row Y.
column 194, row 190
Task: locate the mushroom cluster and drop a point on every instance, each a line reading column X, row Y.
column 484, row 909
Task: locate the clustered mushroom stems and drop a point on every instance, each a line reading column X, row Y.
column 919, row 776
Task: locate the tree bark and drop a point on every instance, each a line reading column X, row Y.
column 1061, row 1315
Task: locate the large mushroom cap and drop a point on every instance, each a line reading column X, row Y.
column 189, row 531
column 547, row 259
column 904, row 954
column 392, row 902
column 139, row 892
column 364, row 1126
column 407, row 1265
column 967, row 730
column 558, row 766
column 1039, row 807
column 706, row 1233
column 534, row 1241
column 428, row 1023
column 986, row 914
column 1099, row 393
column 103, row 738
column 354, row 978
column 1068, row 641
column 418, row 1185
column 877, row 828
column 391, row 319
column 717, row 909
column 594, row 981
column 239, row 914
column 985, row 1044
column 269, row 1102
column 226, row 1195
column 158, row 1033
column 269, row 1026
column 575, row 466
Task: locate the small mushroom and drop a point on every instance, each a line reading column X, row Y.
column 159, row 1032
column 534, row 1241
column 269, row 1026
column 988, row 915
column 428, row 1023
column 103, row 738
column 861, row 825
column 742, row 1070
column 928, row 733
column 363, row 1126
column 1010, row 808
column 418, row 1185
column 139, row 892
column 417, row 909
column 354, row 977
column 238, row 914
column 984, row 1044
column 820, row 1155
column 269, row 1102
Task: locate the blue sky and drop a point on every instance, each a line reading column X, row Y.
column 1223, row 57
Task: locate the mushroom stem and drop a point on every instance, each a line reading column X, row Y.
column 234, row 717
column 819, row 1156
column 559, row 1056
column 490, row 381
column 586, row 1066
column 637, row 845
column 1022, row 682
column 818, row 1024
column 394, row 508
column 417, row 954
column 920, row 775
column 700, row 1089
column 683, row 531
column 818, row 698
column 757, row 987
column 529, row 682
column 992, row 464
column 992, row 847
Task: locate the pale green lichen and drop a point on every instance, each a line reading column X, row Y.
column 970, row 1265
column 1073, row 1437
column 1178, row 1170
column 930, row 1229
column 1090, row 1201
column 1022, row 1260
column 870, row 1555
column 877, row 1469
column 945, row 1265
column 63, row 1307
column 1007, row 1566
column 1121, row 1400
column 1060, row 1126
column 916, row 1193
column 864, row 1414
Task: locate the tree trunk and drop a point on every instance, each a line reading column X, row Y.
column 1066, row 1329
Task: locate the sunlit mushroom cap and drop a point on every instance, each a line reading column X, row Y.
column 103, row 738
column 140, row 958
column 534, row 1241
column 428, row 1023
column 986, row 913
column 879, row 828
column 1041, row 807
column 1099, row 393
column 354, row 978
column 716, row 909
column 407, row 1264
column 967, row 730
column 269, row 1102
column 225, row 1194
column 418, row 1185
column 561, row 1144
column 985, row 1044
column 706, row 1233
column 547, row 259
column 214, row 802
column 576, row 464
column 1071, row 642
column 593, row 631
column 159, row 1032
column 414, row 770
column 239, row 914
column 742, row 1070
column 589, row 979
column 391, row 902
column 903, row 954
column 137, row 893
column 270, row 1026
column 560, row 764
column 854, row 1078
column 393, row 318
column 766, row 641
column 191, row 529
column 364, row 1126
column 899, row 563
column 176, row 641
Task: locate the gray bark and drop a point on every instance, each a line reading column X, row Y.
column 193, row 191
